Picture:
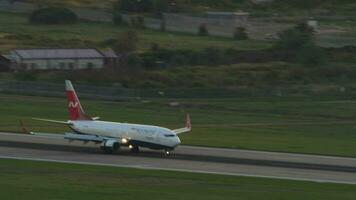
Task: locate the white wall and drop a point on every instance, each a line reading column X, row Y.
column 60, row 64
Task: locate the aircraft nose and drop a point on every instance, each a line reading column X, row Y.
column 177, row 141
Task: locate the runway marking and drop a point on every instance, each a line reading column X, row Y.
column 176, row 170
column 269, row 152
column 56, row 136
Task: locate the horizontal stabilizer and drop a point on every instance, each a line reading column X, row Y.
column 47, row 135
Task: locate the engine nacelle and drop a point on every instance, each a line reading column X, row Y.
column 110, row 146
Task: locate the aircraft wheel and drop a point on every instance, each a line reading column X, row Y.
column 167, row 153
column 135, row 149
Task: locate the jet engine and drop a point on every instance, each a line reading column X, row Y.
column 110, row 146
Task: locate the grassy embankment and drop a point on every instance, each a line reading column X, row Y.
column 318, row 126
column 41, row 180
column 16, row 32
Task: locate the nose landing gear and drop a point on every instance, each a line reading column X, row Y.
column 167, row 152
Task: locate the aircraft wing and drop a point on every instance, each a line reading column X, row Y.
column 181, row 130
column 47, row 135
column 79, row 137
column 86, row 138
column 70, row 136
column 75, row 137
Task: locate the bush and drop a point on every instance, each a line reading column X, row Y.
column 149, row 62
column 155, row 47
column 213, row 56
column 311, row 55
column 134, row 61
column 202, row 30
column 53, row 16
column 135, row 6
column 240, row 33
column 295, row 38
column 117, row 18
column 178, row 59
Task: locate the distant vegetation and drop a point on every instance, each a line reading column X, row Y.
column 53, row 16
column 240, row 33
column 158, row 59
column 299, row 42
column 158, row 6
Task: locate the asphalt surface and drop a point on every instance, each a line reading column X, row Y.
column 185, row 158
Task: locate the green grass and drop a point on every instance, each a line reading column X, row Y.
column 42, row 180
column 77, row 3
column 318, row 126
column 93, row 34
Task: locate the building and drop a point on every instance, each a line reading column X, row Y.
column 57, row 59
column 111, row 58
column 217, row 23
column 4, row 63
column 221, row 18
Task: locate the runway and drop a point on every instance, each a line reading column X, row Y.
column 234, row 162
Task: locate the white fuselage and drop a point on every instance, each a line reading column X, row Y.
column 145, row 135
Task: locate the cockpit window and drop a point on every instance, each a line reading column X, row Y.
column 169, row 135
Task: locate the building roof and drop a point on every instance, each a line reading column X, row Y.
column 109, row 54
column 213, row 13
column 58, row 53
column 4, row 58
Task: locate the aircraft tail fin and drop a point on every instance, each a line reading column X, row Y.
column 75, row 109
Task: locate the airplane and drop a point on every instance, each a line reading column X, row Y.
column 113, row 135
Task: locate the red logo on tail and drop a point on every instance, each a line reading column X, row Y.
column 75, row 109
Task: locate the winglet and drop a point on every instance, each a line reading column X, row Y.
column 188, row 123
column 23, row 128
column 187, row 128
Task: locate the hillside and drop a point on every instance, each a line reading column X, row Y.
column 233, row 5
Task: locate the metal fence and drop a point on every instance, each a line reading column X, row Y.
column 116, row 93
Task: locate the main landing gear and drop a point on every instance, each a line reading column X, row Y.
column 134, row 149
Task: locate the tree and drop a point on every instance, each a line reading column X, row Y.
column 202, row 30
column 305, row 4
column 299, row 42
column 134, row 61
column 311, row 55
column 126, row 42
column 295, row 38
column 117, row 18
column 240, row 33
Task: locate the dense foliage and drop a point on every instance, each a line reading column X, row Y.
column 299, row 41
column 53, row 16
column 158, row 6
